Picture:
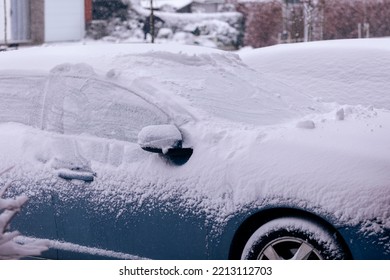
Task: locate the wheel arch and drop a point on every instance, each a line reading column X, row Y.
column 253, row 222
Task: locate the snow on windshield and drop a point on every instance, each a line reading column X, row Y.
column 217, row 85
column 205, row 82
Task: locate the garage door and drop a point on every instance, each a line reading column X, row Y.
column 64, row 20
column 20, row 20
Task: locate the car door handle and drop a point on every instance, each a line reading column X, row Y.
column 70, row 174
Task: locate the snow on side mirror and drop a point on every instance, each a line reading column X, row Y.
column 160, row 138
column 166, row 140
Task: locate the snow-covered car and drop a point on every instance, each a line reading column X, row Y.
column 176, row 152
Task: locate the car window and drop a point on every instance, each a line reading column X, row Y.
column 87, row 105
column 76, row 105
column 21, row 99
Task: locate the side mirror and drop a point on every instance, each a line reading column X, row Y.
column 159, row 138
column 166, row 140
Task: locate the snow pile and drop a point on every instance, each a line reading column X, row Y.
column 9, row 248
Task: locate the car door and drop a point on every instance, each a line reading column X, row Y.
column 21, row 102
column 113, row 212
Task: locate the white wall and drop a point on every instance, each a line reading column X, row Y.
column 8, row 5
column 64, row 20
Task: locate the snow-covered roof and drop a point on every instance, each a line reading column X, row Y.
column 209, row 1
column 177, row 4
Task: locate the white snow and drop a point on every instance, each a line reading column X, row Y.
column 159, row 136
column 353, row 72
column 308, row 124
column 157, row 4
column 239, row 112
column 200, row 77
column 60, row 245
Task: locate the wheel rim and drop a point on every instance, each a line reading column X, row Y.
column 289, row 248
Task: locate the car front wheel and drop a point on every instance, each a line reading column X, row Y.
column 292, row 238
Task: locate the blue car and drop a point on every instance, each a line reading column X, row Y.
column 161, row 152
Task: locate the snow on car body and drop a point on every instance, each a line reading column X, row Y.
column 254, row 158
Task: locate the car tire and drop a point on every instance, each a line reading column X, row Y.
column 292, row 238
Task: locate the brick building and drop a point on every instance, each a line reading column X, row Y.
column 39, row 21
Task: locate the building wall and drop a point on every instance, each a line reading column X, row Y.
column 37, row 22
column 88, row 10
column 64, row 20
